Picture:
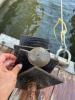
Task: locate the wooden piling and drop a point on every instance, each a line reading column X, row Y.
column 30, row 92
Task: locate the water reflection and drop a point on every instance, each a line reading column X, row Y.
column 38, row 17
column 20, row 17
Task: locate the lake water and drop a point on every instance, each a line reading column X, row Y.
column 37, row 18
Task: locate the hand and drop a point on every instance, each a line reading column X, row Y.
column 8, row 77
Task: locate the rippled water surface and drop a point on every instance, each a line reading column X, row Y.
column 37, row 18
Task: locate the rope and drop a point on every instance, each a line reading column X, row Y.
column 63, row 47
column 62, row 14
column 63, row 32
column 63, row 27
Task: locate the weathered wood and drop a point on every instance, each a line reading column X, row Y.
column 30, row 93
column 64, row 91
column 46, row 93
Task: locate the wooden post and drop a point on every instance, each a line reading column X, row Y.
column 30, row 92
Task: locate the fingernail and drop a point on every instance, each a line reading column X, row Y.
column 20, row 65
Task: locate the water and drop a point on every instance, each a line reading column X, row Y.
column 37, row 18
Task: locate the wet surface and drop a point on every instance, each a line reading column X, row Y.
column 37, row 18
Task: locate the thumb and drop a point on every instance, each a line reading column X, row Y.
column 17, row 68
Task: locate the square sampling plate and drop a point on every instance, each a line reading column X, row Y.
column 38, row 75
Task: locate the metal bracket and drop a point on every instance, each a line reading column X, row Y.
column 71, row 68
column 10, row 42
column 63, row 63
column 38, row 75
column 69, row 65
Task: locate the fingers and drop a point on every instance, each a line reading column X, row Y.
column 9, row 64
column 17, row 68
column 6, row 56
column 6, row 59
